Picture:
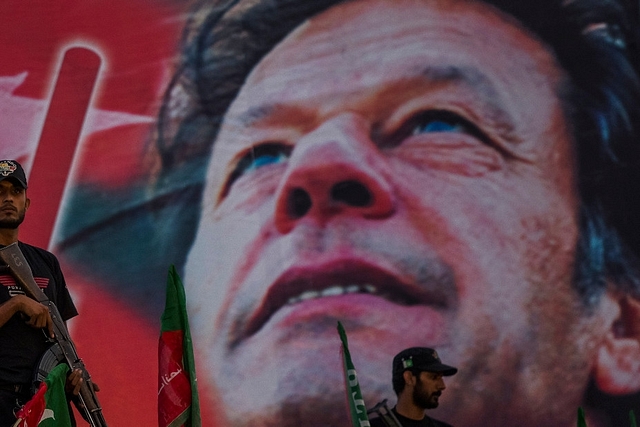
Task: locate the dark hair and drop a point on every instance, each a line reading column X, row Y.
column 595, row 41
column 397, row 380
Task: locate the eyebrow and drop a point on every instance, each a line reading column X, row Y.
column 274, row 111
column 255, row 114
column 471, row 77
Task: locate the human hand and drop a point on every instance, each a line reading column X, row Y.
column 74, row 382
column 37, row 314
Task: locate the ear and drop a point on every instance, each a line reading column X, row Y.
column 27, row 202
column 617, row 369
column 409, row 379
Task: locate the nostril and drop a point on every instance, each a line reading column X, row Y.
column 352, row 193
column 299, row 203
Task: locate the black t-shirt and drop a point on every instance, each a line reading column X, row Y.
column 21, row 346
column 408, row 422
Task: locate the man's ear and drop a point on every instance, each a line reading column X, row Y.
column 409, row 378
column 27, row 202
column 617, row 369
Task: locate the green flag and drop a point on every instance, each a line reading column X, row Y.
column 632, row 418
column 48, row 407
column 178, row 402
column 581, row 420
column 357, row 407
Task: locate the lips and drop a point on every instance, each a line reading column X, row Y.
column 8, row 208
column 343, row 278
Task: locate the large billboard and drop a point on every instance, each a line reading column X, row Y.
column 460, row 175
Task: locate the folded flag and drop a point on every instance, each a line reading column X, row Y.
column 48, row 407
column 178, row 402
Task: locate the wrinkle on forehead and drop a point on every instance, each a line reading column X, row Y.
column 466, row 76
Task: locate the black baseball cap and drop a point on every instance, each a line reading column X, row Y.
column 420, row 359
column 10, row 169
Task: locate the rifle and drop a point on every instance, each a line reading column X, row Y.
column 63, row 349
column 387, row 416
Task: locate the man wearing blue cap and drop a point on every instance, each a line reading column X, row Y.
column 418, row 382
column 22, row 319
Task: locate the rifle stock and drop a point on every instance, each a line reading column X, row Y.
column 385, row 414
column 87, row 401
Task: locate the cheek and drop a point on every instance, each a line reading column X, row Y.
column 507, row 237
column 216, row 258
column 451, row 153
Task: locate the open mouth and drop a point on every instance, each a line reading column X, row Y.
column 303, row 285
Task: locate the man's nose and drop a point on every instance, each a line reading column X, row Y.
column 334, row 170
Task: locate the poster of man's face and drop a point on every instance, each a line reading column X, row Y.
column 459, row 175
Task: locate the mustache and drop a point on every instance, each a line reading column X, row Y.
column 425, row 267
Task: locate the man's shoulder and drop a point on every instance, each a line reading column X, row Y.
column 30, row 251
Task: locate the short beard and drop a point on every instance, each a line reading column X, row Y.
column 12, row 224
column 420, row 399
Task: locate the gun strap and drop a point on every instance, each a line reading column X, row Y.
column 12, row 256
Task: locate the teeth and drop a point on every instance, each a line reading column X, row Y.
column 352, row 289
column 333, row 291
column 308, row 295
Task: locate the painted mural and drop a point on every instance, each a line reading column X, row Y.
column 461, row 175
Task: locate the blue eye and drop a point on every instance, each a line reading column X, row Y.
column 262, row 155
column 443, row 121
column 265, row 159
column 437, row 121
column 438, row 126
column 258, row 157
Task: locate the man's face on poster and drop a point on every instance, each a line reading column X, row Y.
column 404, row 167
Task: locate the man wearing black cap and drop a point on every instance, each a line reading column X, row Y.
column 25, row 324
column 418, row 382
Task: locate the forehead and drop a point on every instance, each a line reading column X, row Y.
column 363, row 44
column 10, row 183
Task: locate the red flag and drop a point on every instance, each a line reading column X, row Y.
column 178, row 402
column 48, row 407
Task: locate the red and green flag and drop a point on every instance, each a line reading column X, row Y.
column 178, row 402
column 357, row 407
column 48, row 407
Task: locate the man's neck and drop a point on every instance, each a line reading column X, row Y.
column 407, row 408
column 8, row 236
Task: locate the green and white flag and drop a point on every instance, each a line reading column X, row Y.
column 48, row 407
column 357, row 407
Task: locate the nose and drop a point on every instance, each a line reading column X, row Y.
column 334, row 170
